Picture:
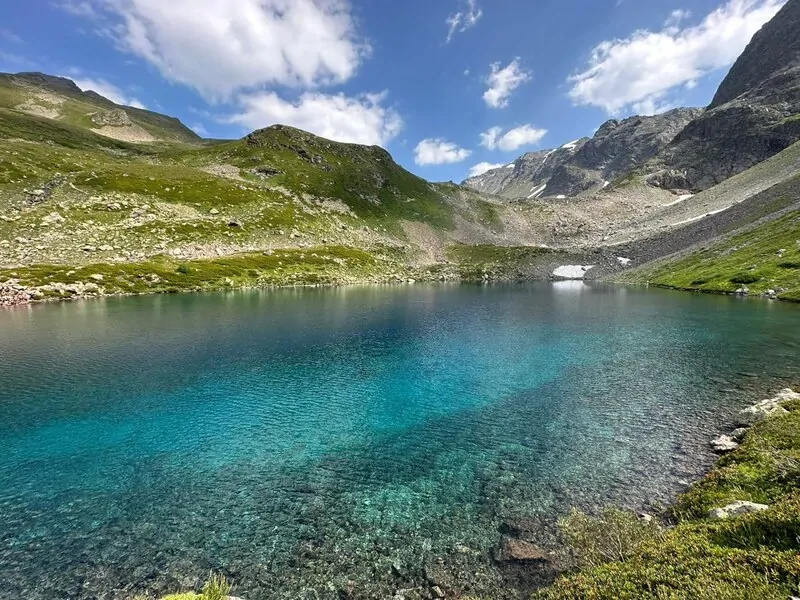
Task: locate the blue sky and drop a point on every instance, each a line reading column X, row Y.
column 445, row 85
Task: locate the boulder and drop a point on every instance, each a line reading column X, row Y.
column 724, row 444
column 740, row 507
column 738, row 433
column 766, row 408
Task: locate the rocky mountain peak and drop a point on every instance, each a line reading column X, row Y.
column 773, row 52
column 587, row 164
column 754, row 115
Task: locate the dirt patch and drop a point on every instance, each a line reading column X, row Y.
column 132, row 133
column 42, row 104
column 224, row 171
column 430, row 243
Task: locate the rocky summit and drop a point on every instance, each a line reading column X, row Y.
column 754, row 114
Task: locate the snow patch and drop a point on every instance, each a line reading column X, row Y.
column 511, row 166
column 693, row 219
column 623, row 261
column 570, row 145
column 572, row 271
column 536, row 192
column 605, row 184
column 560, row 196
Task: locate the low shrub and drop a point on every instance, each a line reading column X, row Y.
column 614, row 536
column 745, row 278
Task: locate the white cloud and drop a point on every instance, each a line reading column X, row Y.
column 220, row 47
column 359, row 120
column 502, row 82
column 199, row 129
column 459, row 22
column 10, row 36
column 436, row 151
column 512, row 139
column 107, row 90
column 77, row 8
column 647, row 66
column 482, row 168
column 676, row 17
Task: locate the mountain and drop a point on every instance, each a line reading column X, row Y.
column 525, row 177
column 754, row 114
column 586, row 165
column 62, row 100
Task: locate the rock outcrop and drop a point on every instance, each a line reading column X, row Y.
column 766, row 408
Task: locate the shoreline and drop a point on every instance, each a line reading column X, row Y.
column 729, row 497
column 13, row 294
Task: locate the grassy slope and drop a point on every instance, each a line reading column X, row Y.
column 764, row 257
column 76, row 107
column 172, row 203
column 750, row 557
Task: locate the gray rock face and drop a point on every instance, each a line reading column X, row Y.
column 527, row 176
column 113, row 118
column 754, row 115
column 587, row 164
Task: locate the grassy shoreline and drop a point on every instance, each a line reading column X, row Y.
column 696, row 556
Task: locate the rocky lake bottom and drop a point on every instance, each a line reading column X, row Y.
column 359, row 442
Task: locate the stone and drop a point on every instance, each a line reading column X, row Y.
column 437, row 592
column 53, row 219
column 723, row 444
column 766, row 408
column 740, row 507
column 738, row 433
column 514, row 550
column 213, row 211
column 96, row 277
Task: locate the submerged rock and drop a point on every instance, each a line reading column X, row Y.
column 740, row 507
column 519, row 551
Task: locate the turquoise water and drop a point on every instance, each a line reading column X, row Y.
column 315, row 443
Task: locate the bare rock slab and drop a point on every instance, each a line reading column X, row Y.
column 740, row 507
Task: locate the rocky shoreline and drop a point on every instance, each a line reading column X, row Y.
column 14, row 293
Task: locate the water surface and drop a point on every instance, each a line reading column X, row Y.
column 310, row 442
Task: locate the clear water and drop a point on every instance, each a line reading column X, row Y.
column 311, row 442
